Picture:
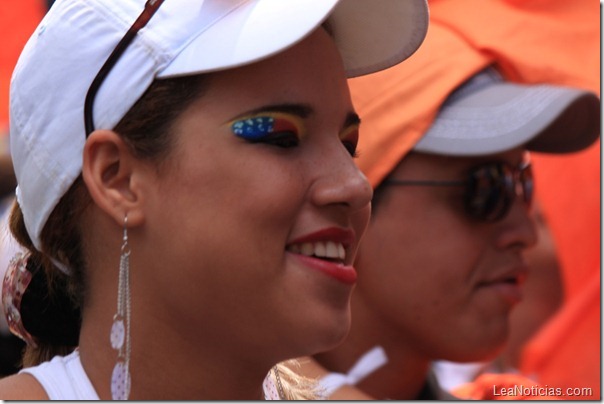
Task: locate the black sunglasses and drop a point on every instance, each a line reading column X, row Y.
column 151, row 6
column 490, row 189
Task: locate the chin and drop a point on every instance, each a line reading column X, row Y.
column 480, row 349
column 329, row 333
column 481, row 354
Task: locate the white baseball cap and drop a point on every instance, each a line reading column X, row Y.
column 488, row 115
column 184, row 37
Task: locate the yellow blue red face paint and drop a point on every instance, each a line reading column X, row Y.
column 256, row 127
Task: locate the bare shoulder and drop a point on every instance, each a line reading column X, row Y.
column 21, row 387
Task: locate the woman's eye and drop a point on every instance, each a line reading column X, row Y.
column 275, row 129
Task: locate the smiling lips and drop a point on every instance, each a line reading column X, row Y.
column 509, row 285
column 326, row 251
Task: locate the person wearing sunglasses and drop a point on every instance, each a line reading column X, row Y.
column 187, row 199
column 441, row 266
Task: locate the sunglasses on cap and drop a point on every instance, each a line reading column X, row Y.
column 151, row 6
column 490, row 189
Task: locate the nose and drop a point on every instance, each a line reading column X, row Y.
column 342, row 183
column 518, row 228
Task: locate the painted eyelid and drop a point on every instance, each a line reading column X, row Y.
column 256, row 127
column 350, row 133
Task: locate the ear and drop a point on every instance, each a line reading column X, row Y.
column 111, row 174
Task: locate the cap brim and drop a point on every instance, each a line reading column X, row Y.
column 371, row 36
column 377, row 34
column 503, row 116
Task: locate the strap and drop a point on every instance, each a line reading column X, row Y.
column 366, row 365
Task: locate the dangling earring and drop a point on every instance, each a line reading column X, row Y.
column 120, row 330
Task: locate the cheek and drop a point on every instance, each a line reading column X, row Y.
column 441, row 239
column 423, row 248
column 240, row 205
column 230, row 239
column 214, row 192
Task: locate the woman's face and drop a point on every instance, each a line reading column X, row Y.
column 253, row 226
column 444, row 283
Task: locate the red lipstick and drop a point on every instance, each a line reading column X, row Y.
column 311, row 250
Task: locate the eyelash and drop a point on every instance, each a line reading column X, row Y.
column 284, row 140
column 351, row 147
column 272, row 129
column 289, row 139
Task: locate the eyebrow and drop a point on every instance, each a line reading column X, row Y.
column 301, row 110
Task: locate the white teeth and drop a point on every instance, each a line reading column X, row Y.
column 329, row 249
column 307, row 249
column 321, row 250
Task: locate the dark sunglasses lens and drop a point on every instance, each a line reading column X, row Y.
column 490, row 192
column 528, row 187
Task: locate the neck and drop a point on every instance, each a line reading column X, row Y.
column 406, row 372
column 167, row 364
column 175, row 355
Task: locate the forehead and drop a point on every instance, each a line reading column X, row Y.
column 311, row 72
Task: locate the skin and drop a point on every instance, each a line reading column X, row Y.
column 422, row 268
column 217, row 299
column 544, row 294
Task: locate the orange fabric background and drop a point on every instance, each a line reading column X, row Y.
column 554, row 41
column 18, row 19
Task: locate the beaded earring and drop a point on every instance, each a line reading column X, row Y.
column 120, row 330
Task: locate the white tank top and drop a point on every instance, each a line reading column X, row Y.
column 64, row 378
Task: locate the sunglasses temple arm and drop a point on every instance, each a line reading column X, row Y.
column 426, row 183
